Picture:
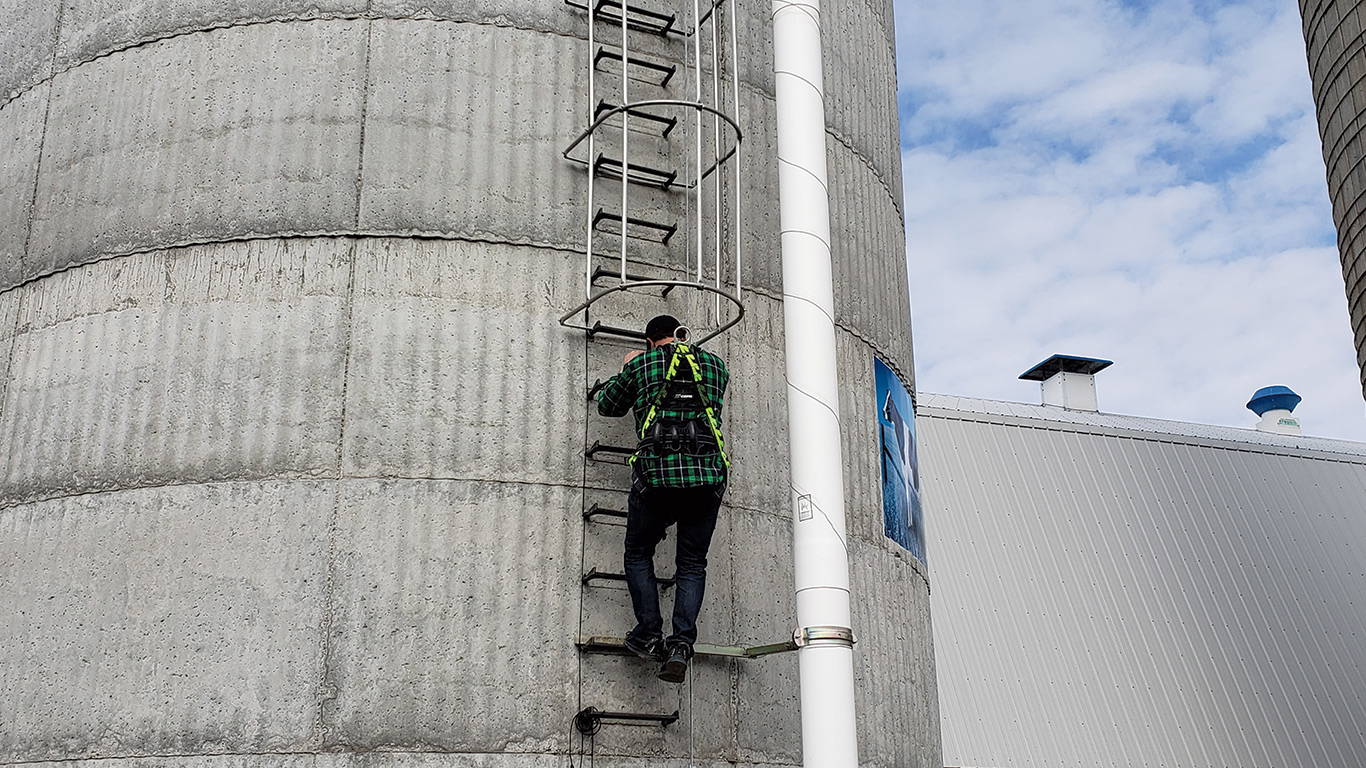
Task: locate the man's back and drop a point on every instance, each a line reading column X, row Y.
column 638, row 387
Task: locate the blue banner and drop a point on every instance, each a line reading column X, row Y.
column 903, row 518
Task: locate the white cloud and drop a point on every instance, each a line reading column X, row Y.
column 1143, row 186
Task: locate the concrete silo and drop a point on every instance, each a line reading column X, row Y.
column 295, row 446
column 1337, row 55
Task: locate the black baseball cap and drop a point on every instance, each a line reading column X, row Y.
column 661, row 327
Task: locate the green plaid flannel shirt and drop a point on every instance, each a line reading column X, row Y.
column 636, row 387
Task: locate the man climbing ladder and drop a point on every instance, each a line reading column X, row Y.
column 678, row 475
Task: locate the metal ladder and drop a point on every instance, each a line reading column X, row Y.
column 661, row 154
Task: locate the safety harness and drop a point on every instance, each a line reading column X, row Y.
column 674, row 435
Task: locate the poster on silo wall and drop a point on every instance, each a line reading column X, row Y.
column 902, row 516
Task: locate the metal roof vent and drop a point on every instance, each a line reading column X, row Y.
column 1068, row 382
column 1274, row 405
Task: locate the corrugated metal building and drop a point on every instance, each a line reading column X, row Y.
column 1121, row 591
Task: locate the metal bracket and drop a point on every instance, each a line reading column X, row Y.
column 826, row 635
column 614, row 645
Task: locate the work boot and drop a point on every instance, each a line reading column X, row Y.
column 650, row 650
column 675, row 666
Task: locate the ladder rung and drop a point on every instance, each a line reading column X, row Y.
column 597, row 511
column 598, row 447
column 640, row 229
column 610, row 330
column 602, row 272
column 595, row 575
column 610, row 168
column 667, row 124
column 644, row 21
column 590, row 719
column 666, row 71
column 637, row 18
column 596, row 388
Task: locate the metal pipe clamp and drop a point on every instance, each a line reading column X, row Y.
column 826, row 635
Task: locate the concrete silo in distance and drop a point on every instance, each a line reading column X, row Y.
column 1337, row 55
column 294, row 441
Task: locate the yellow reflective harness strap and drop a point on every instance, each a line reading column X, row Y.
column 711, row 415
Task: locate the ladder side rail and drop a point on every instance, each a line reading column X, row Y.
column 592, row 101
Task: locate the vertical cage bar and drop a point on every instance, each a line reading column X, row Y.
column 592, row 106
column 737, row 159
column 697, row 122
column 625, row 134
column 716, row 150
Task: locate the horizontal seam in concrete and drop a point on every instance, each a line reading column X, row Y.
column 241, row 23
column 852, row 331
column 847, row 144
column 1321, row 47
column 867, row 163
column 147, row 41
column 568, row 751
column 1351, row 124
column 848, row 330
column 298, row 19
column 282, row 479
column 361, row 234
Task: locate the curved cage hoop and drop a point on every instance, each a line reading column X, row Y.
column 667, row 284
column 638, row 108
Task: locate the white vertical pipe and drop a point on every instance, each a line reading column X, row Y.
column 826, row 659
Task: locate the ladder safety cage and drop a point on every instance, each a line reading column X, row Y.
column 660, row 148
column 677, row 147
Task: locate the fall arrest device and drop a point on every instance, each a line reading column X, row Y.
column 694, row 432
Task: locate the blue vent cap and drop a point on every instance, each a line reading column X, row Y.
column 1271, row 398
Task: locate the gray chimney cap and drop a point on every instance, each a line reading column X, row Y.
column 1065, row 364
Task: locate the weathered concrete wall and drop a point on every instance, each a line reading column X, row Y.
column 290, row 438
column 1333, row 36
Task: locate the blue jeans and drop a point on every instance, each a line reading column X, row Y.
column 649, row 512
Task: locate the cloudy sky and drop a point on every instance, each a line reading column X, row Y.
column 1139, row 181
